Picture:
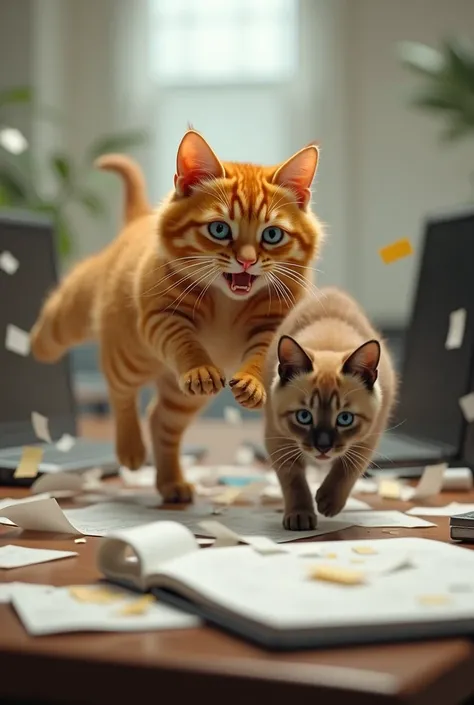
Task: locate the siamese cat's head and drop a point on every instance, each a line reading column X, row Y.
column 326, row 401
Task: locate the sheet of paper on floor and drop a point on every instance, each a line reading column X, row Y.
column 457, row 325
column 8, row 263
column 383, row 519
column 98, row 519
column 17, row 340
column 50, row 610
column 12, row 556
column 448, row 510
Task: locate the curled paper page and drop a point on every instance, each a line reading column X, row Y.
column 430, row 483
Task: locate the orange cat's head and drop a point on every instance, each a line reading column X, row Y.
column 241, row 227
column 326, row 401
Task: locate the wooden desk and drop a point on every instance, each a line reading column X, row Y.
column 208, row 665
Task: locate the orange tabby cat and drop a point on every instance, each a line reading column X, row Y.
column 184, row 297
column 331, row 388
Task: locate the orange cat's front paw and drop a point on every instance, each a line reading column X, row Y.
column 203, row 380
column 131, row 451
column 176, row 492
column 248, row 391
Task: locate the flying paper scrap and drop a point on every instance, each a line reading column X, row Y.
column 430, row 484
column 467, row 406
column 65, row 443
column 457, row 325
column 397, row 250
column 41, row 426
column 8, row 263
column 17, row 340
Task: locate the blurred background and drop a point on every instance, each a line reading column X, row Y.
column 259, row 79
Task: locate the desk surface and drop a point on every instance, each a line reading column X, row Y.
column 208, row 664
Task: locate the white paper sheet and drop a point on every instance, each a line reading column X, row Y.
column 430, row 484
column 467, row 406
column 8, row 263
column 99, row 519
column 383, row 519
column 41, row 426
column 448, row 510
column 61, row 484
column 50, row 610
column 12, row 556
column 457, row 325
column 7, row 590
column 17, row 340
column 66, row 443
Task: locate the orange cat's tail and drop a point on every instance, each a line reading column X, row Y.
column 136, row 200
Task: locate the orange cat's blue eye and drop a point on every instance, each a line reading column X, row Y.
column 345, row 418
column 272, row 235
column 304, row 417
column 219, row 230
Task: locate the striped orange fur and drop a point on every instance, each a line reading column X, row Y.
column 190, row 294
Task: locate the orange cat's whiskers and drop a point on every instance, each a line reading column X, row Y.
column 287, row 290
column 201, row 295
column 272, row 285
column 193, row 285
column 279, row 288
column 298, row 279
column 196, row 269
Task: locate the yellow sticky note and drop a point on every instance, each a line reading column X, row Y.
column 30, row 459
column 397, row 250
column 389, row 489
column 434, row 599
column 336, row 574
column 137, row 607
column 94, row 595
column 364, row 550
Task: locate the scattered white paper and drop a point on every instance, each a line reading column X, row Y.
column 50, row 610
column 41, row 426
column 430, row 484
column 383, row 519
column 17, row 340
column 8, row 263
column 448, row 510
column 65, row 443
column 467, row 406
column 6, row 591
column 19, row 556
column 232, row 416
column 365, row 486
column 61, row 484
column 457, row 325
column 99, row 519
column 223, row 535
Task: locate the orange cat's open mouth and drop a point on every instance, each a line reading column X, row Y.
column 239, row 283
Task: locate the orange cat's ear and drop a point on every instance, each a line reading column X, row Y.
column 363, row 363
column 297, row 173
column 292, row 359
column 195, row 162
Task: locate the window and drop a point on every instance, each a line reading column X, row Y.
column 224, row 41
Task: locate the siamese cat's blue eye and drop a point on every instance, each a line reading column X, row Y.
column 345, row 418
column 304, row 417
column 219, row 230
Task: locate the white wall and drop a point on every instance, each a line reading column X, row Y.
column 398, row 171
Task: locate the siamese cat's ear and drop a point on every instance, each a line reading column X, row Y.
column 363, row 363
column 292, row 359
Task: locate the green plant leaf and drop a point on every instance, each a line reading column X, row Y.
column 120, row 142
column 64, row 237
column 62, row 167
column 92, row 203
column 12, row 185
column 18, row 94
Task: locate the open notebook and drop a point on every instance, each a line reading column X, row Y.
column 405, row 588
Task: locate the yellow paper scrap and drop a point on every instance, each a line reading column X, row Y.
column 331, row 556
column 434, row 599
column 137, row 607
column 336, row 574
column 228, row 496
column 30, row 459
column 389, row 489
column 95, row 595
column 397, row 250
column 364, row 550
column 82, row 540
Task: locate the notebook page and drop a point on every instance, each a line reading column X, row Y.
column 150, row 545
column 275, row 591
